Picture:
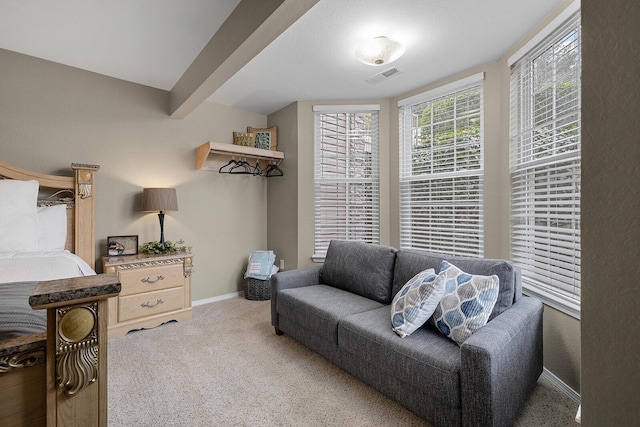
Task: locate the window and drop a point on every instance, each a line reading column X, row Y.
column 545, row 167
column 441, row 169
column 346, row 176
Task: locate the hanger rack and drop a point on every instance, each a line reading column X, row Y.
column 217, row 156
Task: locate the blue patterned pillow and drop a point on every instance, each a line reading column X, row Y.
column 466, row 304
column 415, row 302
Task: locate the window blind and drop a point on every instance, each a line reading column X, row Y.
column 441, row 171
column 545, row 167
column 346, row 176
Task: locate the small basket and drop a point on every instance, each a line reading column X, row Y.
column 256, row 289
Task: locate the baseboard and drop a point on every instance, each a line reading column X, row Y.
column 218, row 298
column 561, row 385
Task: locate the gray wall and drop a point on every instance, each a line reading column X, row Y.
column 282, row 192
column 52, row 115
column 610, row 213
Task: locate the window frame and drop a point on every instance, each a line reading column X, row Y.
column 470, row 239
column 367, row 185
column 558, row 282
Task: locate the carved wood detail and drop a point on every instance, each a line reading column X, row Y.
column 76, row 347
column 188, row 265
column 21, row 360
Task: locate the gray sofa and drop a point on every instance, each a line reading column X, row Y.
column 341, row 311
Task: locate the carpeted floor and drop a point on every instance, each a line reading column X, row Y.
column 226, row 367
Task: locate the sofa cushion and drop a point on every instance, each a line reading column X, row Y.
column 416, row 302
column 426, row 360
column 467, row 302
column 319, row 308
column 411, row 261
column 361, row 268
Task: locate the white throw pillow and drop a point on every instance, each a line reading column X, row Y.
column 416, row 301
column 52, row 228
column 19, row 218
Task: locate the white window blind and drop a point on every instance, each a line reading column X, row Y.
column 441, row 171
column 346, row 176
column 545, row 168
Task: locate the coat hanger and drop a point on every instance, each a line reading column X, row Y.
column 273, row 170
column 241, row 168
column 257, row 170
column 233, row 162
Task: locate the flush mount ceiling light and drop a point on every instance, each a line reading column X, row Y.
column 379, row 51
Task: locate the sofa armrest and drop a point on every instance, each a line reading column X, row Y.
column 291, row 279
column 500, row 365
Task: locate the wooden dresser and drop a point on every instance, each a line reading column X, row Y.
column 155, row 290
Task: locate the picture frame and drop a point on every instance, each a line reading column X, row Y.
column 266, row 138
column 122, row 245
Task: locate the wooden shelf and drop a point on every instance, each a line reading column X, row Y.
column 213, row 155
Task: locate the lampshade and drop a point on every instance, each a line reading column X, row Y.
column 159, row 200
column 378, row 51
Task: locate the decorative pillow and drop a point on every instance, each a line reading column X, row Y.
column 52, row 228
column 19, row 219
column 266, row 138
column 466, row 304
column 416, row 302
column 260, row 265
column 244, row 139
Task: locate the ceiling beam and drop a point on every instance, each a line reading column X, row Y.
column 251, row 27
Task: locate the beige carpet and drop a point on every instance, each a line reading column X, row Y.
column 226, row 367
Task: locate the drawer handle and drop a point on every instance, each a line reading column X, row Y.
column 147, row 280
column 146, row 303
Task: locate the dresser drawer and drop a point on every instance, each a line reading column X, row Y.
column 144, row 305
column 138, row 280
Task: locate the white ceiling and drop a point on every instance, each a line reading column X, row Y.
column 153, row 42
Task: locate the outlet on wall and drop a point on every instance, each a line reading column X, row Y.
column 281, row 264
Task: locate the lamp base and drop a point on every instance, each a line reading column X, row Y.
column 161, row 218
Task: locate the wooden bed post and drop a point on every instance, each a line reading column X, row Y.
column 76, row 360
column 74, row 374
column 84, row 245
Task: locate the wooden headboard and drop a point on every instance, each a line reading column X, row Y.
column 79, row 198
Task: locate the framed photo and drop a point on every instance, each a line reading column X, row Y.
column 266, row 138
column 122, row 245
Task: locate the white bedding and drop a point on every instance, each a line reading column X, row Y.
column 36, row 266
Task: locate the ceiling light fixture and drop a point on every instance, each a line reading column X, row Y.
column 379, row 51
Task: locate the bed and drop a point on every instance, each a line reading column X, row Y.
column 53, row 307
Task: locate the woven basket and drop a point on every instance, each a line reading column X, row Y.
column 257, row 290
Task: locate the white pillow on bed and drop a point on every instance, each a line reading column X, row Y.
column 19, row 218
column 52, row 228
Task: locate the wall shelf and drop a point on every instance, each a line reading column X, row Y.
column 214, row 155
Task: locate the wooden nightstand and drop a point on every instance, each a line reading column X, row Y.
column 155, row 290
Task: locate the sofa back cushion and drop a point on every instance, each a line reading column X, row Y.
column 409, row 262
column 361, row 268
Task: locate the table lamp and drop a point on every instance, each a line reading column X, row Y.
column 159, row 200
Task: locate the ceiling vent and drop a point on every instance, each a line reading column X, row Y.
column 383, row 75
